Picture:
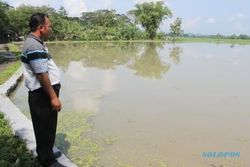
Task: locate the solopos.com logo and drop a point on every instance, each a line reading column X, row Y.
column 221, row 154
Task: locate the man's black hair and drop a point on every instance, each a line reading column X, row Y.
column 36, row 20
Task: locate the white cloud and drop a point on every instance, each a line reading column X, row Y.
column 74, row 7
column 238, row 22
column 17, row 3
column 237, row 17
column 142, row 1
column 107, row 3
column 191, row 23
column 211, row 20
column 239, row 26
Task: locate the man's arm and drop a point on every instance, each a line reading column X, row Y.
column 46, row 85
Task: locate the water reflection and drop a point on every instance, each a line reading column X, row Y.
column 149, row 63
column 192, row 95
column 175, row 54
column 62, row 143
column 99, row 55
column 144, row 58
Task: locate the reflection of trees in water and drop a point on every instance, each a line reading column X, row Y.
column 175, row 54
column 103, row 55
column 144, row 58
column 149, row 63
column 110, row 55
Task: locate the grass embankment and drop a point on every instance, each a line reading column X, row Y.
column 8, row 71
column 15, row 49
column 13, row 152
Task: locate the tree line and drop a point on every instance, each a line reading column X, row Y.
column 218, row 36
column 140, row 23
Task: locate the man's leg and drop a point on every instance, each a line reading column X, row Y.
column 44, row 121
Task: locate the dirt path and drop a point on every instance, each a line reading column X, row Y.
column 3, row 66
column 3, row 46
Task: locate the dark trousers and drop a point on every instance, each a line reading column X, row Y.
column 44, row 121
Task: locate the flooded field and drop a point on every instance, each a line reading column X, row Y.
column 152, row 104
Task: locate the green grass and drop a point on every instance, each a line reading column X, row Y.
column 9, row 71
column 12, row 68
column 214, row 40
column 178, row 40
column 14, row 48
column 13, row 152
column 72, row 138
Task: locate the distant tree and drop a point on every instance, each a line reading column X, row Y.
column 4, row 20
column 161, row 35
column 150, row 15
column 175, row 28
column 62, row 11
column 107, row 24
column 97, row 25
column 219, row 36
column 99, row 18
column 233, row 36
column 19, row 17
column 243, row 36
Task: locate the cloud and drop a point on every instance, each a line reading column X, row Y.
column 74, row 7
column 211, row 20
column 238, row 22
column 142, row 1
column 17, row 3
column 108, row 3
column 191, row 23
column 237, row 17
column 239, row 26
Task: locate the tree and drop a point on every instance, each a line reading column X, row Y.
column 107, row 24
column 62, row 11
column 150, row 15
column 4, row 20
column 243, row 36
column 233, row 36
column 104, row 18
column 19, row 17
column 175, row 28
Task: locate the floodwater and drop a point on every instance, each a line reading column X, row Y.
column 152, row 104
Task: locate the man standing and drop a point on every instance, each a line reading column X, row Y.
column 42, row 78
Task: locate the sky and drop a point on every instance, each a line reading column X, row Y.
column 207, row 17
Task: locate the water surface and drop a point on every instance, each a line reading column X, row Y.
column 152, row 104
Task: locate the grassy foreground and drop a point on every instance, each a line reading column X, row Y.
column 9, row 71
column 13, row 152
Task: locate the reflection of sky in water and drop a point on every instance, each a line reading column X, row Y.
column 163, row 101
column 84, row 88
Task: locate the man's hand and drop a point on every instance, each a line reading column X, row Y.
column 56, row 104
column 46, row 85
